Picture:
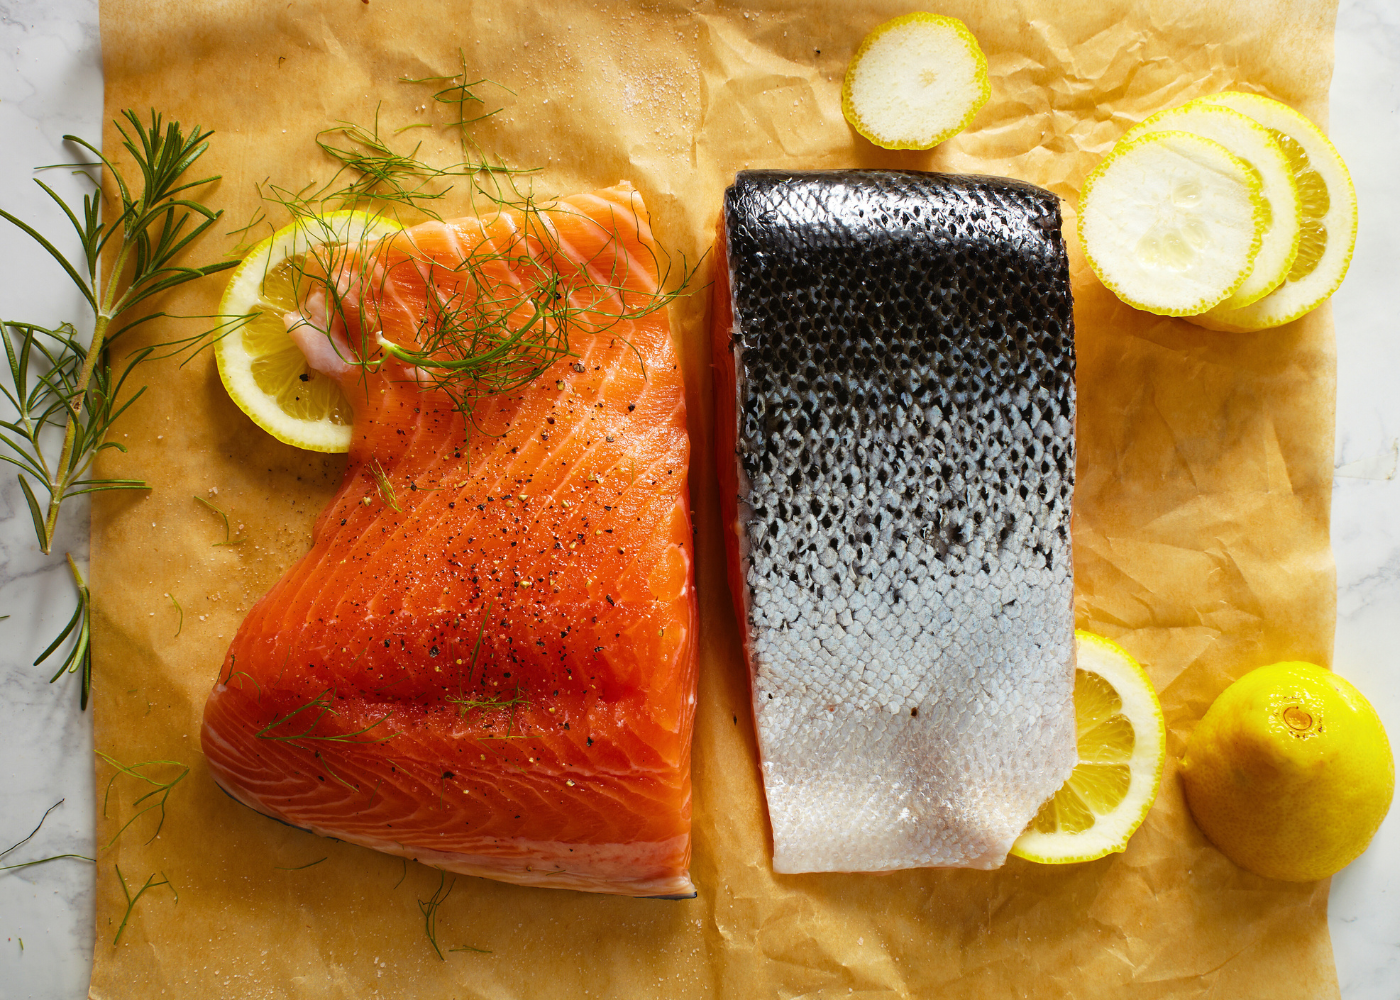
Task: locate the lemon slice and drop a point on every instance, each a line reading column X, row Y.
column 1257, row 147
column 1122, row 746
column 262, row 368
column 1327, row 203
column 1171, row 222
column 915, row 81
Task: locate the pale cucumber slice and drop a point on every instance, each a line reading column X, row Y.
column 1257, row 147
column 1171, row 222
column 1327, row 208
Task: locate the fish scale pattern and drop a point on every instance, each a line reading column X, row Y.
column 904, row 357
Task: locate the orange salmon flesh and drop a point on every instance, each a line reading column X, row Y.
column 497, row 677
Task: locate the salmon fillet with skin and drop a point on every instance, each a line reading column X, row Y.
column 498, row 677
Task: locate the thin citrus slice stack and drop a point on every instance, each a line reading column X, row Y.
column 1327, row 208
column 263, row 370
column 1171, row 222
column 1122, row 746
column 915, row 81
column 1257, row 147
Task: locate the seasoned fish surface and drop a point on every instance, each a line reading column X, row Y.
column 896, row 396
column 486, row 661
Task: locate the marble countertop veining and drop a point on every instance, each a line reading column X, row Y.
column 51, row 84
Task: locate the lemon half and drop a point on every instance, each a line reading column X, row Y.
column 1122, row 747
column 1172, row 222
column 915, row 81
column 263, row 370
column 1327, row 207
column 1289, row 773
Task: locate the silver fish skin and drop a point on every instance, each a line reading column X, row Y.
column 894, row 356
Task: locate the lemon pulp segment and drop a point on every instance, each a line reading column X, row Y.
column 260, row 365
column 915, row 81
column 1122, row 747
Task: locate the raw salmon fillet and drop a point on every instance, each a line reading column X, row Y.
column 894, row 359
column 497, row 678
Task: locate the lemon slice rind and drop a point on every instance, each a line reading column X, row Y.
column 244, row 295
column 1171, row 222
column 1111, row 831
column 1256, row 146
column 915, row 81
column 1294, row 299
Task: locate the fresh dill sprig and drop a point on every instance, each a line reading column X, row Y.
column 44, row 861
column 465, row 705
column 180, row 627
column 323, row 708
column 161, row 791
column 429, row 908
column 224, row 518
column 386, row 488
column 38, row 861
column 131, row 900
column 38, row 826
column 309, row 864
column 59, row 383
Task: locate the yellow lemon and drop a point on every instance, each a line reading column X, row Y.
column 1122, row 746
column 260, row 365
column 915, row 81
column 1289, row 773
column 1326, row 213
column 1172, row 222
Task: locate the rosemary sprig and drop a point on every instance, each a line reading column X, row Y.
column 57, row 382
column 79, row 657
column 131, row 900
column 155, row 226
column 161, row 791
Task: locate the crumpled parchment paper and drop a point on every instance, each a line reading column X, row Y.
column 1200, row 527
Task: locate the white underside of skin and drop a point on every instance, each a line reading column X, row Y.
column 855, row 781
column 1252, row 143
column 1293, row 298
column 1170, row 224
column 1142, row 712
column 915, row 82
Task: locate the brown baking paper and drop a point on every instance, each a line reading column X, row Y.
column 1200, row 525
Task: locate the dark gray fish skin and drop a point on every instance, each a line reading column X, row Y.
column 895, row 357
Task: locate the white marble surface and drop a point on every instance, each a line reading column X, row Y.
column 51, row 84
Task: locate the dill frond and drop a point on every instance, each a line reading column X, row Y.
column 160, row 792
column 386, row 488
column 224, row 518
column 309, row 864
column 131, row 900
column 323, row 708
column 429, row 908
column 181, row 611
